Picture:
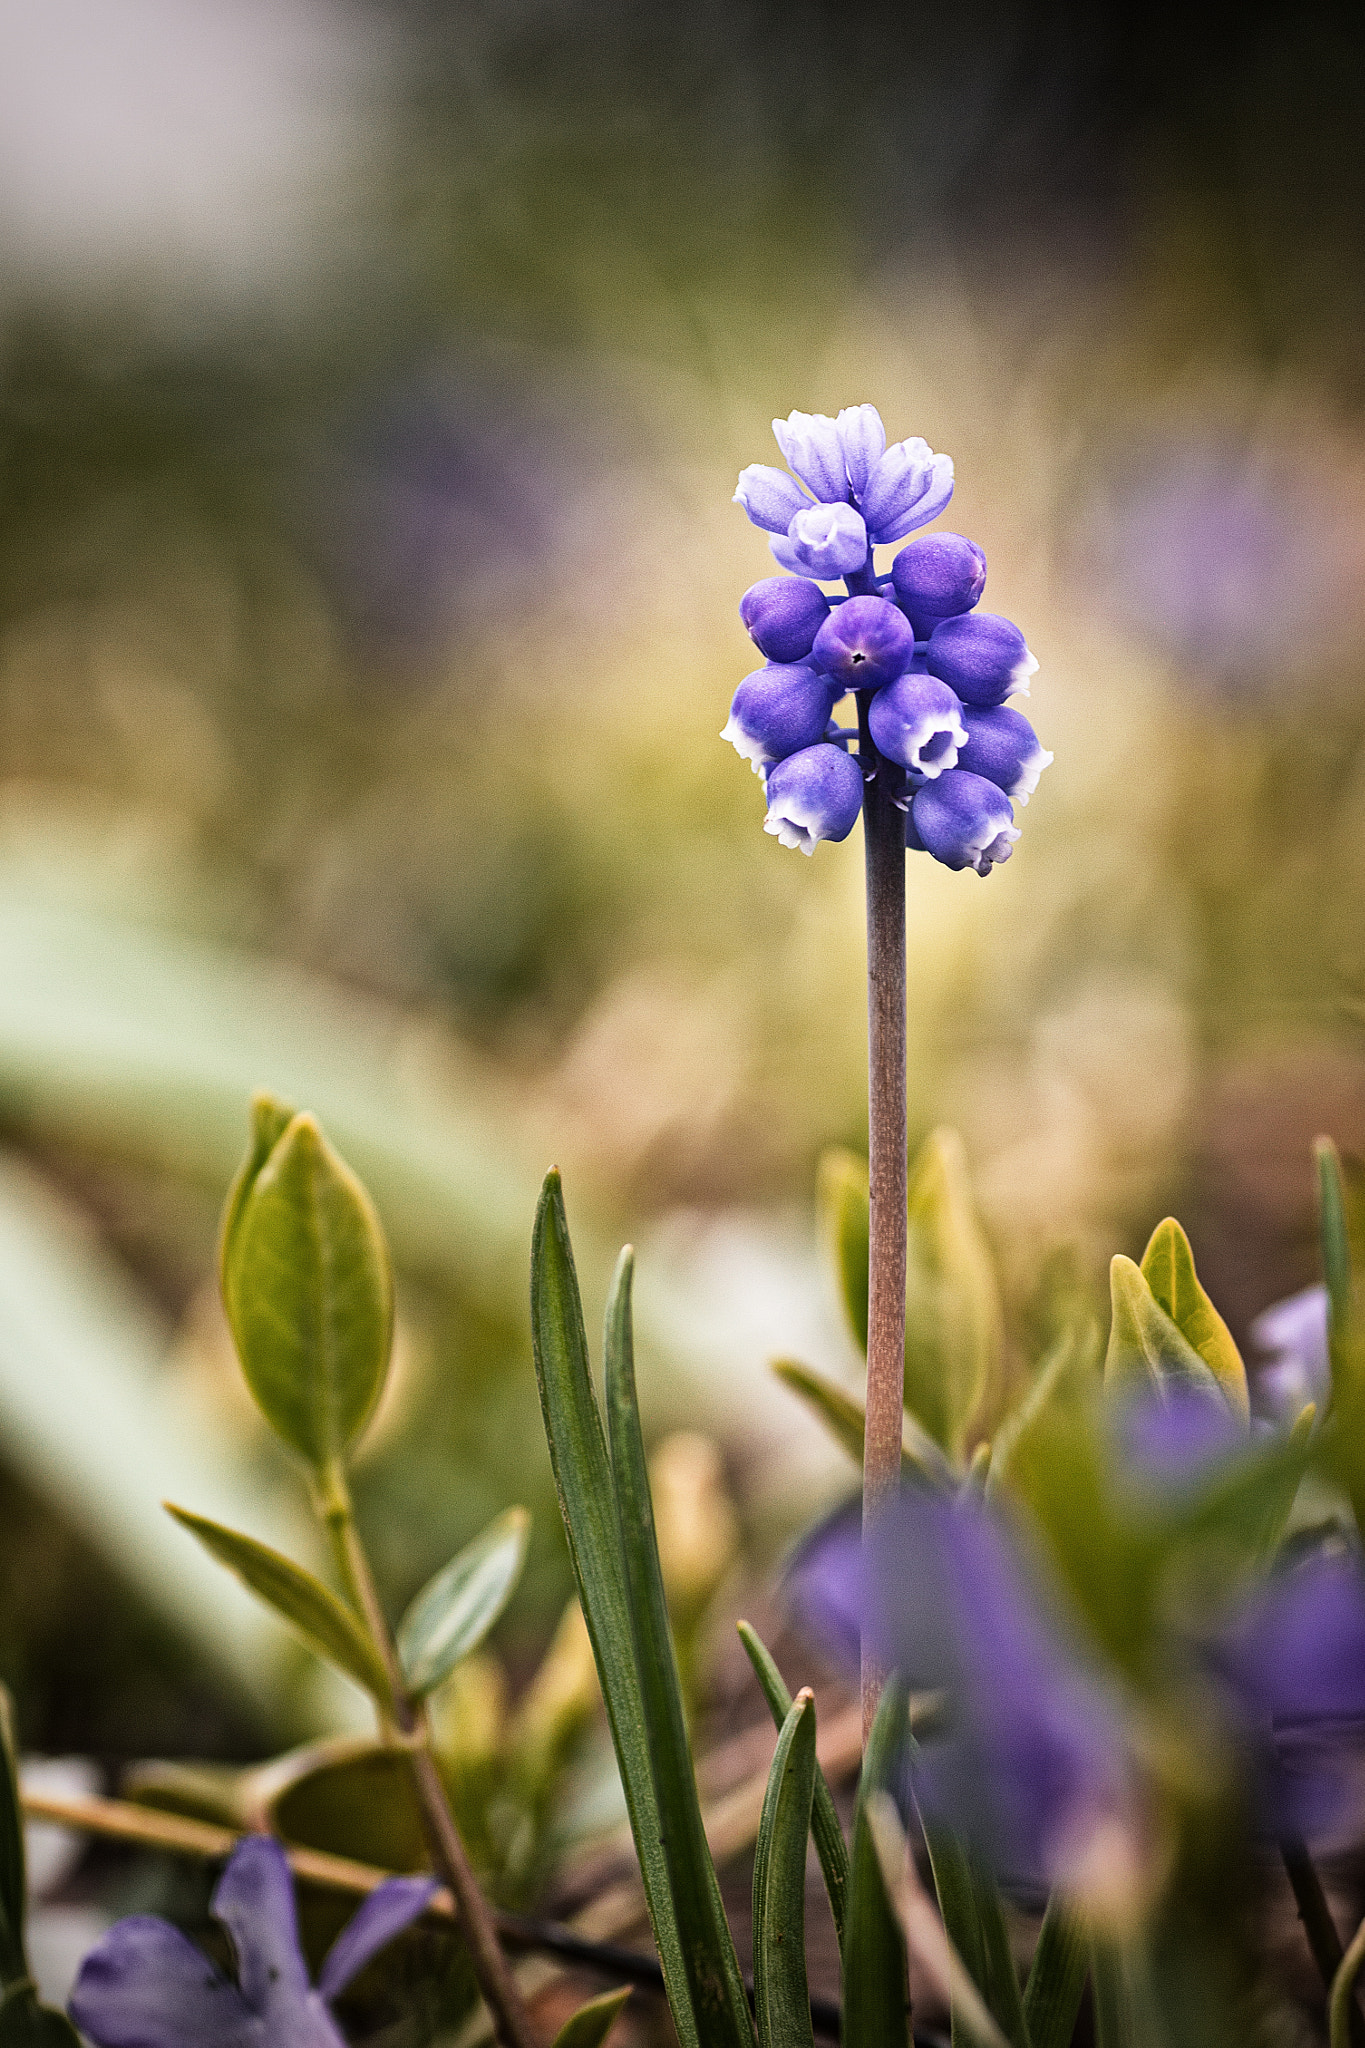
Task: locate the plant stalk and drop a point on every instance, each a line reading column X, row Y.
column 511, row 2019
column 884, row 846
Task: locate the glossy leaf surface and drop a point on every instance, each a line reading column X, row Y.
column 781, row 1993
column 455, row 1610
column 312, row 1610
column 309, row 1295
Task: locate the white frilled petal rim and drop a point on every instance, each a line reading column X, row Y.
column 751, row 750
column 1029, row 771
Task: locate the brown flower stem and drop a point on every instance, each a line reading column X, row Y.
column 884, row 846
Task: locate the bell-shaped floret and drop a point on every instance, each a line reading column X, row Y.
column 917, row 721
column 862, row 438
column 816, row 794
column 777, row 711
column 909, row 487
column 865, row 642
column 771, row 498
column 1002, row 746
column 983, row 657
column 964, row 821
column 823, row 540
column 810, row 443
column 782, row 616
column 937, row 577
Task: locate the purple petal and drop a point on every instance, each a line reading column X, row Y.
column 390, row 1908
column 824, row 1584
column 145, row 1986
column 1293, row 1336
column 255, row 1902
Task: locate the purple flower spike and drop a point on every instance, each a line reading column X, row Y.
column 777, row 711
column 964, row 821
column 1002, row 746
column 823, row 541
column 918, row 721
column 866, row 642
column 810, row 443
column 938, row 576
column 145, row 1986
column 984, row 658
column 816, row 794
column 862, row 437
column 770, row 497
column 782, row 616
column 909, row 487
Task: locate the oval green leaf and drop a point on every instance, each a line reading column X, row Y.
column 270, row 1118
column 309, row 1295
column 591, row 2024
column 1147, row 1350
column 312, row 1611
column 455, row 1610
column 952, row 1300
column 1168, row 1269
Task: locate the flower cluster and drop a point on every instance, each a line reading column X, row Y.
column 930, row 674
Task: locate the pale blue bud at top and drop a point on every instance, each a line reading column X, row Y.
column 810, row 442
column 816, row 794
column 782, row 616
column 938, row 576
column 964, row 821
column 777, row 711
column 771, row 498
column 862, row 438
column 865, row 642
column 909, row 487
column 1002, row 746
column 982, row 657
column 823, row 541
column 917, row 721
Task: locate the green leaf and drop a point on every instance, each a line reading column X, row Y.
column 312, row 1611
column 781, row 1993
column 1147, row 1350
column 26, row 2024
column 717, row 1985
column 876, row 2007
column 578, row 1455
column 591, row 2024
column 1056, row 1978
column 1168, row 1268
column 952, row 1300
column 974, row 1917
column 826, row 1832
column 1112, row 1996
column 455, row 1610
column 309, row 1295
column 843, row 1203
column 844, row 1417
column 13, row 1894
column 270, row 1118
column 1069, row 1366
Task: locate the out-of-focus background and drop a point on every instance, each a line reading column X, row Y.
column 373, row 380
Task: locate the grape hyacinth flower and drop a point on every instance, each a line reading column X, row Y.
column 928, row 766
column 145, row 1985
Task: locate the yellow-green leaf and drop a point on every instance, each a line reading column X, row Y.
column 1168, row 1269
column 455, row 1610
column 312, row 1611
column 843, row 1200
column 1147, row 1349
column 270, row 1118
column 952, row 1300
column 590, row 2025
column 309, row 1293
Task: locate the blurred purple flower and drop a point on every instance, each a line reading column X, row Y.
column 146, row 1986
column 1294, row 1663
column 1169, row 1441
column 1292, row 1337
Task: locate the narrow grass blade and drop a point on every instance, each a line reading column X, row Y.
column 311, row 1609
column 876, row 2004
column 1056, row 1978
column 781, row 1993
column 925, row 1935
column 717, row 1985
column 578, row 1454
column 1113, row 2004
column 828, row 1836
